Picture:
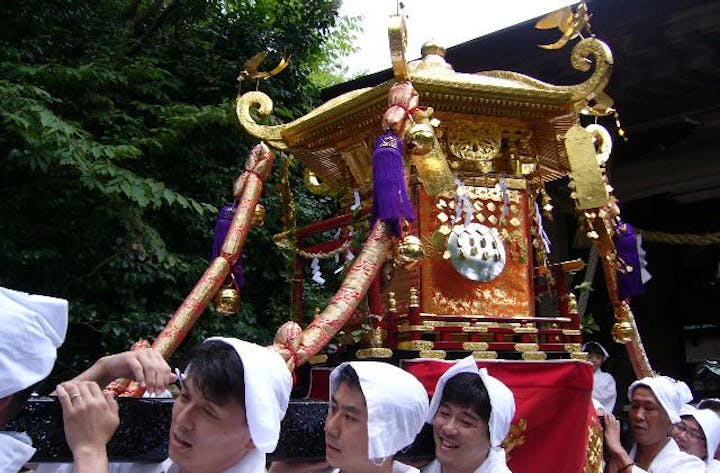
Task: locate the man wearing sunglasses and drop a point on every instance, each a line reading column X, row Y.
column 225, row 420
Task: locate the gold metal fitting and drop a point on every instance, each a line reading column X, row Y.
column 534, row 355
column 374, row 352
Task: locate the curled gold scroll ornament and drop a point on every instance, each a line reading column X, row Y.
column 264, row 106
column 579, row 59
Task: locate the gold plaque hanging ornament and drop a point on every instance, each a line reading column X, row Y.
column 476, row 252
column 587, row 174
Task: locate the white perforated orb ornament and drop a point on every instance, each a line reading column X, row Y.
column 476, row 252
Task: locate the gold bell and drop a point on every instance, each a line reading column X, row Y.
column 259, row 216
column 623, row 332
column 409, row 252
column 227, row 300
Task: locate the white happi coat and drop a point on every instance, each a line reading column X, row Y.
column 494, row 463
column 604, row 390
column 14, row 453
column 253, row 462
column 398, row 467
column 671, row 460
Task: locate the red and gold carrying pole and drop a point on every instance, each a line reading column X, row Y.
column 593, row 198
column 297, row 345
column 248, row 190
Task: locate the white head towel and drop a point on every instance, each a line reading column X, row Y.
column 710, row 424
column 397, row 404
column 672, row 394
column 502, row 401
column 268, row 383
column 32, row 327
column 605, row 353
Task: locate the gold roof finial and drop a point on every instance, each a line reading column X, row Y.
column 432, row 47
column 433, row 58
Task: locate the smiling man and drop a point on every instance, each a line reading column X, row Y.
column 698, row 433
column 471, row 413
column 376, row 409
column 225, row 420
column 655, row 405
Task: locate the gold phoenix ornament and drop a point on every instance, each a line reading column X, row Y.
column 569, row 23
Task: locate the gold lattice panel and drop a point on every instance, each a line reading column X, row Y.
column 445, row 290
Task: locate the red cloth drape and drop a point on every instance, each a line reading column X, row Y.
column 553, row 409
column 553, row 402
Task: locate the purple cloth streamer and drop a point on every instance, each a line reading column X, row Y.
column 391, row 201
column 225, row 217
column 629, row 283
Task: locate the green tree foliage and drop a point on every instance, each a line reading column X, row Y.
column 119, row 141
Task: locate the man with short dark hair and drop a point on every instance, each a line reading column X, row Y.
column 226, row 419
column 376, row 409
column 471, row 413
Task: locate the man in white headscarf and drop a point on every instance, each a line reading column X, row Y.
column 471, row 413
column 376, row 409
column 32, row 327
column 604, row 387
column 698, row 433
column 225, row 420
column 713, row 404
column 655, row 405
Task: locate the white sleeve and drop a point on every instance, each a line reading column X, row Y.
column 54, row 468
column 114, row 468
column 605, row 391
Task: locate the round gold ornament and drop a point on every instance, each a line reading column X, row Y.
column 409, row 252
column 420, row 138
column 227, row 300
column 623, row 332
column 259, row 216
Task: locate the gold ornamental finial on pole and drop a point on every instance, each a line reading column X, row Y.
column 392, row 303
column 397, row 35
column 414, row 299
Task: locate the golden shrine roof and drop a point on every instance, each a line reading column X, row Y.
column 335, row 140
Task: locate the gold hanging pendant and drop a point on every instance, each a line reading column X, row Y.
column 228, row 300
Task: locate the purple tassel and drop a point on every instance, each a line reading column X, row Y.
column 629, row 282
column 225, row 216
column 391, row 201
